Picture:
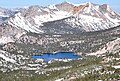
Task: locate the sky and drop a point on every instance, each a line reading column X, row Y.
column 114, row 4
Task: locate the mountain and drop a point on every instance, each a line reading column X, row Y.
column 5, row 29
column 63, row 18
column 6, row 13
column 84, row 17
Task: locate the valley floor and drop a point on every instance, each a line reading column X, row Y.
column 87, row 68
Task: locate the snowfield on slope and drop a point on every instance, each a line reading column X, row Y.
column 6, row 58
column 88, row 16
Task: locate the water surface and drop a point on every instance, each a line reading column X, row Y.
column 58, row 55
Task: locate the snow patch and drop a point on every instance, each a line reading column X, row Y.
column 60, row 79
column 52, row 6
column 116, row 67
column 51, row 17
column 4, row 40
column 113, row 20
column 5, row 57
column 21, row 22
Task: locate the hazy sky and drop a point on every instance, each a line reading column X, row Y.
column 115, row 4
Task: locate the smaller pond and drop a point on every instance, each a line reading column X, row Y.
column 58, row 55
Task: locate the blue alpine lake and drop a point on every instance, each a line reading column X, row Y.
column 58, row 55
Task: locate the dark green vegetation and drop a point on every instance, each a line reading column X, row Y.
column 79, row 43
column 87, row 69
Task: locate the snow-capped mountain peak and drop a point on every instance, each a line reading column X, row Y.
column 86, row 16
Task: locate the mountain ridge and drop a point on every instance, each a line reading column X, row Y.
column 35, row 16
column 63, row 18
